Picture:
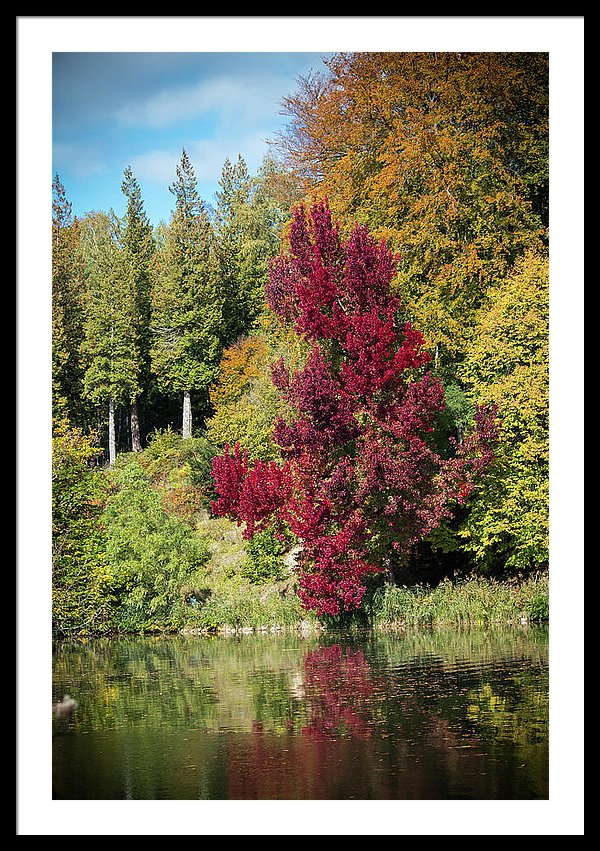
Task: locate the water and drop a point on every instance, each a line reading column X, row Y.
column 423, row 715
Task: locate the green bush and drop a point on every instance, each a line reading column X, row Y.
column 264, row 561
column 155, row 559
column 82, row 597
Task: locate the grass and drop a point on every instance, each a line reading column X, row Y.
column 474, row 601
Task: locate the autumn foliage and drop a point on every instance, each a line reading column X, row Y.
column 359, row 480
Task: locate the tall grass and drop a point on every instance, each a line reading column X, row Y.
column 474, row 601
column 248, row 606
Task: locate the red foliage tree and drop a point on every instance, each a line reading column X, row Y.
column 359, row 481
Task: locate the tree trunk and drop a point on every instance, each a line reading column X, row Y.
column 112, row 446
column 187, row 414
column 136, row 444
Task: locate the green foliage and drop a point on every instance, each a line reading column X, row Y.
column 154, row 559
column 138, row 248
column 507, row 364
column 82, row 600
column 243, row 605
column 249, row 218
column 264, row 562
column 169, row 460
column 68, row 310
column 187, row 301
column 474, row 600
column 111, row 351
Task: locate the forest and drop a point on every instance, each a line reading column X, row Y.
column 325, row 397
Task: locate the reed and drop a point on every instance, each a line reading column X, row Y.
column 474, row 600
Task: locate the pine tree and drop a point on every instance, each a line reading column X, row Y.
column 249, row 223
column 232, row 197
column 138, row 245
column 67, row 310
column 187, row 302
column 110, row 344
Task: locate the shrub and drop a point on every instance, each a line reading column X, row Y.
column 82, row 600
column 264, row 561
column 154, row 557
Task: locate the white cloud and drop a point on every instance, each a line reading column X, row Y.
column 156, row 166
column 243, row 99
column 78, row 158
column 207, row 156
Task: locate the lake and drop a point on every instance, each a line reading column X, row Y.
column 379, row 716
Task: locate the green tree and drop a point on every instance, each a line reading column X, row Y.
column 138, row 247
column 82, row 599
column 249, row 219
column 111, row 344
column 187, row 300
column 67, row 310
column 507, row 364
column 233, row 197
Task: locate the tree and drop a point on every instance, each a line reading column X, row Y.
column 358, row 482
column 138, row 247
column 187, row 301
column 68, row 296
column 152, row 557
column 245, row 402
column 249, row 218
column 232, row 196
column 82, row 600
column 111, row 344
column 445, row 155
column 507, row 365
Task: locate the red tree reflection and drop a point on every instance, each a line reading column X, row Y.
column 338, row 689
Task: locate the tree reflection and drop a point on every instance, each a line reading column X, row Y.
column 338, row 692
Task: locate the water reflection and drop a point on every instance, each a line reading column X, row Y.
column 424, row 715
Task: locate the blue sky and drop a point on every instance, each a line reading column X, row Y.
column 110, row 110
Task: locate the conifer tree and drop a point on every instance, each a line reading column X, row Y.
column 232, row 197
column 187, row 302
column 110, row 345
column 67, row 310
column 138, row 245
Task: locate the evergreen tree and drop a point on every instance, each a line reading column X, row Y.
column 110, row 345
column 187, row 302
column 138, row 245
column 249, row 223
column 232, row 197
column 67, row 310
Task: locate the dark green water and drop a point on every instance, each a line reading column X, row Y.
column 424, row 715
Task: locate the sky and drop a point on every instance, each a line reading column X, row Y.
column 113, row 109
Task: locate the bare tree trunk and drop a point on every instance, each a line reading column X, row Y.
column 112, row 447
column 187, row 414
column 136, row 444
